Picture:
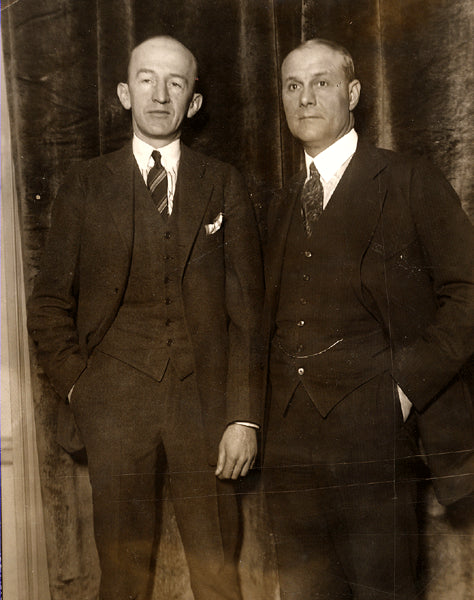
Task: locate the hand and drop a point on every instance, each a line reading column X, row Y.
column 237, row 451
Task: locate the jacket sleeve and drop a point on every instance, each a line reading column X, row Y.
column 52, row 305
column 244, row 300
column 425, row 367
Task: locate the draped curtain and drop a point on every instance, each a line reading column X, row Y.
column 64, row 59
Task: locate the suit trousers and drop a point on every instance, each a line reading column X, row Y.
column 137, row 431
column 341, row 494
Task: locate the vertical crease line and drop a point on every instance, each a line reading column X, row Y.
column 303, row 21
column 395, row 397
column 385, row 134
column 98, row 73
column 277, row 79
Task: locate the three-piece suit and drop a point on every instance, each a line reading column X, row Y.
column 154, row 322
column 380, row 295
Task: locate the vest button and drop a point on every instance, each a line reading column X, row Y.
column 299, row 348
column 303, row 301
column 167, row 235
column 306, row 277
column 301, row 371
column 300, row 323
column 167, row 300
column 169, row 342
column 308, row 253
column 167, row 279
column 167, row 257
column 168, row 322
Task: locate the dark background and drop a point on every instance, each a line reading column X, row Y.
column 63, row 60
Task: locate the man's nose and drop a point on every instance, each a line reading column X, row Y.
column 160, row 92
column 307, row 97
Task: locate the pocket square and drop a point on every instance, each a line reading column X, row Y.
column 215, row 225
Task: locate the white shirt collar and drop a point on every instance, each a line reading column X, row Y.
column 333, row 157
column 170, row 154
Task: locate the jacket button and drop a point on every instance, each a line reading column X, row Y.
column 167, row 300
column 301, row 371
column 308, row 253
column 167, row 235
column 169, row 342
column 300, row 323
column 167, row 279
column 168, row 322
column 303, row 301
column 306, row 277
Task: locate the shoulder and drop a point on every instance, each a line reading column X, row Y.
column 208, row 164
column 98, row 166
column 401, row 163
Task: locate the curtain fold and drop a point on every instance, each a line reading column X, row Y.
column 64, row 59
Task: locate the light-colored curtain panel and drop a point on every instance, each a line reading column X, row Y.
column 24, row 564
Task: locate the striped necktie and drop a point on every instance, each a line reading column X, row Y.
column 157, row 182
column 312, row 197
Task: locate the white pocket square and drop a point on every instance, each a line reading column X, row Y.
column 215, row 225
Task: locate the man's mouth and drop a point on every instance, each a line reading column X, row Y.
column 158, row 113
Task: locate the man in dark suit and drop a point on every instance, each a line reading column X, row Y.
column 370, row 311
column 145, row 315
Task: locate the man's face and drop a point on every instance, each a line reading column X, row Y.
column 159, row 91
column 317, row 98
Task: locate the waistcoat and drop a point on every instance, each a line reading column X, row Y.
column 325, row 337
column 149, row 329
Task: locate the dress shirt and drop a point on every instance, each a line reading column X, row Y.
column 331, row 164
column 170, row 155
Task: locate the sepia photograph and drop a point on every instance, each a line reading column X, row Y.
column 237, row 300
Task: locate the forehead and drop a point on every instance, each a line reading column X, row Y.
column 312, row 60
column 163, row 55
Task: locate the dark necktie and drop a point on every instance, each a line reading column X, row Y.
column 157, row 182
column 312, row 199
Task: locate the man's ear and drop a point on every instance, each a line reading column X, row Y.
column 354, row 93
column 124, row 95
column 194, row 105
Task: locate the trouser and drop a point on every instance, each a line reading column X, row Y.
column 341, row 493
column 131, row 426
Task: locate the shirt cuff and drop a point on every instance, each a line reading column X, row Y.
column 247, row 424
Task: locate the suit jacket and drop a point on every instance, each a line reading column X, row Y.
column 86, row 264
column 413, row 246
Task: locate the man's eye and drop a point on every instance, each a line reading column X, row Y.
column 322, row 83
column 293, row 86
column 176, row 84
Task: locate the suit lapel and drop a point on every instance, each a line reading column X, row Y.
column 362, row 190
column 194, row 190
column 363, row 194
column 119, row 193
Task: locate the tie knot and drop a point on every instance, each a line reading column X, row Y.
column 156, row 157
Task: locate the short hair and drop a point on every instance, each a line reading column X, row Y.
column 348, row 62
column 165, row 37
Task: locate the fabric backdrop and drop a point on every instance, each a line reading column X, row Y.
column 64, row 59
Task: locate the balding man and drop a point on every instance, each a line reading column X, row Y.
column 145, row 315
column 370, row 317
